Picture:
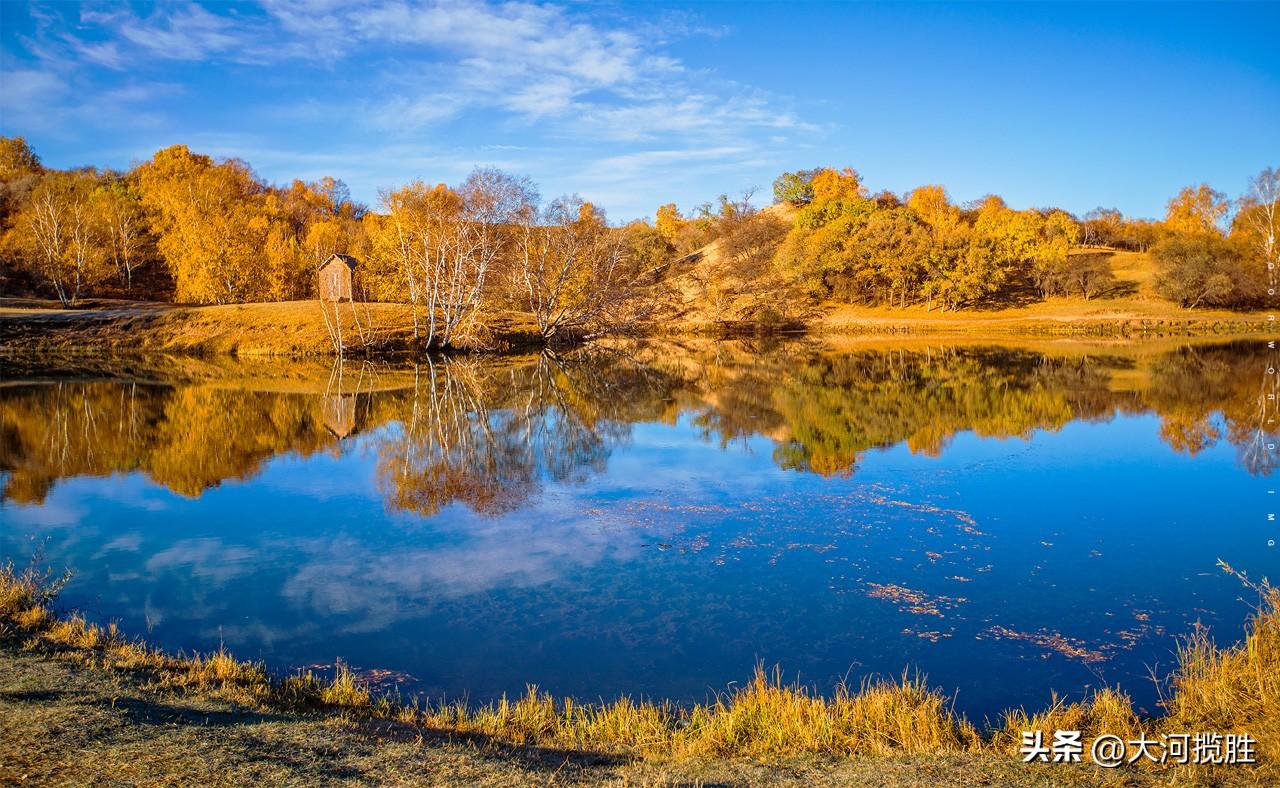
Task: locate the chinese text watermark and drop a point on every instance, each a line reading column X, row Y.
column 1110, row 751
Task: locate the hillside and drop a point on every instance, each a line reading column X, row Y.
column 1130, row 305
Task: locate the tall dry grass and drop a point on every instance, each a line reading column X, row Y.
column 1220, row 689
column 1235, row 689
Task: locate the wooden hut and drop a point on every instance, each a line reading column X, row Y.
column 336, row 278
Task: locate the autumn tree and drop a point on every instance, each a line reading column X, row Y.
column 411, row 247
column 814, row 254
column 56, row 236
column 646, row 245
column 575, row 273
column 123, row 227
column 494, row 204
column 1197, row 209
column 1257, row 223
column 669, row 223
column 1203, row 269
column 946, row 248
column 1051, row 264
column 1101, row 226
column 438, row 247
column 210, row 221
column 20, row 170
column 736, row 278
column 307, row 223
column 686, row 234
column 934, row 208
column 1088, row 274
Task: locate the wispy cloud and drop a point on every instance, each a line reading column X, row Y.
column 187, row 33
column 577, row 87
column 25, row 89
column 531, row 60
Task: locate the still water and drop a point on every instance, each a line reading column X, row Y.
column 1008, row 520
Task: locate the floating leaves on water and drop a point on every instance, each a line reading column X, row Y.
column 932, row 635
column 1050, row 641
column 912, row 601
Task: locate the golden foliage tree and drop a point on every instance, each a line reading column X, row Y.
column 20, row 170
column 56, row 235
column 437, row 247
column 118, row 212
column 211, row 226
column 1197, row 209
column 575, row 273
column 1257, row 223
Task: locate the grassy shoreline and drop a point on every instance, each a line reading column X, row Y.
column 298, row 328
column 774, row 726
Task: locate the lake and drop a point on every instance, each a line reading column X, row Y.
column 657, row 519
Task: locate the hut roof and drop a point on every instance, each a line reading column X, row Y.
column 350, row 261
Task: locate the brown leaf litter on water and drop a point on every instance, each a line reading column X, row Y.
column 932, row 635
column 1050, row 641
column 910, row 600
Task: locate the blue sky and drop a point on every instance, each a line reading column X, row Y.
column 635, row 104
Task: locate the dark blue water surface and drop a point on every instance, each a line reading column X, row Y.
column 1008, row 520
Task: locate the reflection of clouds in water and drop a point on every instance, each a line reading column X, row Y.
column 263, row 635
column 53, row 513
column 663, row 459
column 480, row 555
column 127, row 543
column 135, row 491
column 314, row 476
column 208, row 559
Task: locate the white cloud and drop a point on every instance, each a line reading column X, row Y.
column 585, row 85
column 24, row 91
column 535, row 62
column 187, row 33
column 33, row 100
column 107, row 54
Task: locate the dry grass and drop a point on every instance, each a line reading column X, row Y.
column 1235, row 689
column 1220, row 689
column 1105, row 711
column 765, row 719
column 63, row 724
column 287, row 328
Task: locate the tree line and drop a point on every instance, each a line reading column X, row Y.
column 189, row 228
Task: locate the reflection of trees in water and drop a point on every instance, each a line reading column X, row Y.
column 488, row 433
column 1258, row 450
column 188, row 438
column 1204, row 395
column 450, row 448
column 486, row 436
column 825, row 411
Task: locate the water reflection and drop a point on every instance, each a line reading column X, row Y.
column 485, row 433
column 654, row 518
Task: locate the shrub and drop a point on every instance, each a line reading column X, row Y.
column 1204, row 269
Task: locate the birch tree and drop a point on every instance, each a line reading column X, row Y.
column 575, row 273
column 119, row 215
column 56, row 237
column 437, row 248
column 1259, row 219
